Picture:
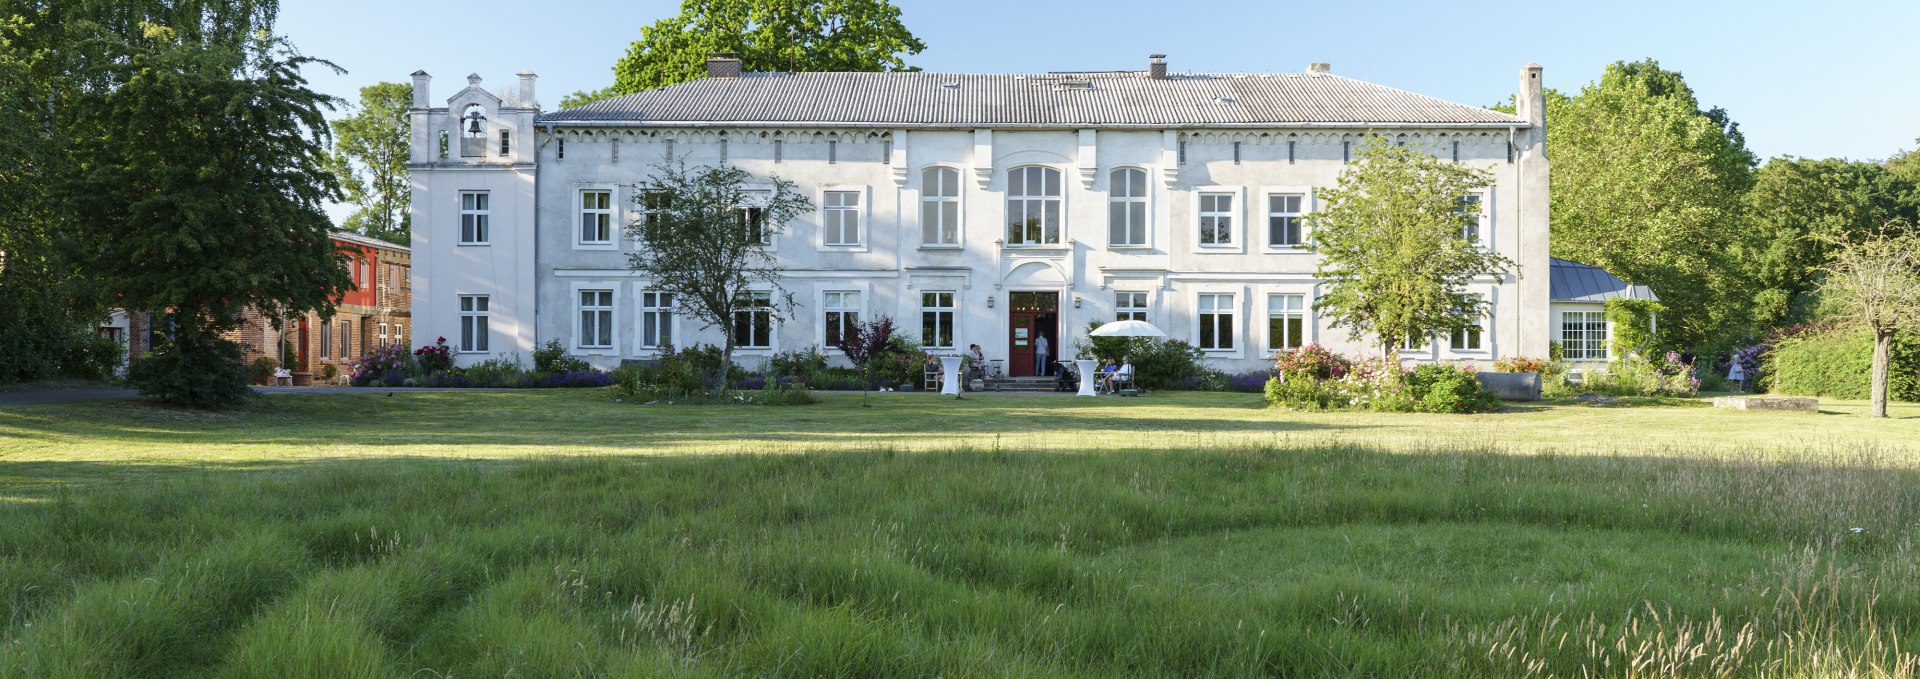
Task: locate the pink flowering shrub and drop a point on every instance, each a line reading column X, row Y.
column 437, row 358
column 389, row 364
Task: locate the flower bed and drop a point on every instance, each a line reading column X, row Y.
column 1312, row 378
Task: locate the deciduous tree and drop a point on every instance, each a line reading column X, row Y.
column 769, row 35
column 1797, row 210
column 703, row 236
column 203, row 178
column 1394, row 247
column 1875, row 283
column 1648, row 185
column 370, row 159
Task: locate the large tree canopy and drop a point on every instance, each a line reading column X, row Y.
column 1397, row 246
column 1799, row 211
column 370, row 159
column 1649, row 186
column 769, row 35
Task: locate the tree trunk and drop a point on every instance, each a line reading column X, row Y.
column 1882, row 355
column 726, row 362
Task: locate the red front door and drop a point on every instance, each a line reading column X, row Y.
column 1031, row 316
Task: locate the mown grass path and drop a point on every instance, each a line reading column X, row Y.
column 563, row 534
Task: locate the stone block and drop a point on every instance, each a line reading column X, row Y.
column 1811, row 405
column 1512, row 386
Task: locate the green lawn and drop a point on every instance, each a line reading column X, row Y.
column 559, row 533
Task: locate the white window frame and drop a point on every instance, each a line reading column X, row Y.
column 1485, row 227
column 482, row 216
column 1588, row 316
column 1236, row 215
column 661, row 309
column 607, row 312
column 1145, row 201
column 611, row 214
column 773, row 324
column 1207, row 303
column 1058, row 200
column 1484, row 323
column 768, row 239
column 1304, row 312
column 475, row 328
column 952, row 312
column 833, row 301
column 959, row 207
column 1422, row 351
column 1267, row 194
column 859, row 211
column 1141, row 311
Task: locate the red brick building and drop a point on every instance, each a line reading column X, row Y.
column 376, row 311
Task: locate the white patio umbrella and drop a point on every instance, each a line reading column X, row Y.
column 1127, row 329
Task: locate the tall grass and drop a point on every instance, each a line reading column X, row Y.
column 1319, row 560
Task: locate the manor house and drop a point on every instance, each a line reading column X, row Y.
column 989, row 209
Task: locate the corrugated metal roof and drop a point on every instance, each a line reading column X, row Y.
column 1576, row 282
column 1123, row 98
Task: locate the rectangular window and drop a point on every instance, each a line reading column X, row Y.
column 1346, row 152
column 1130, row 306
column 833, row 152
column 840, row 217
column 346, row 339
column 1216, row 321
column 1470, row 216
column 840, row 313
column 1033, row 206
column 1216, row 219
column 560, row 149
column 366, row 275
column 656, row 319
column 400, row 334
column 753, row 320
column 1414, row 343
column 473, row 323
column 1456, row 152
column 1290, row 146
column 1583, row 335
column 473, row 217
column 778, row 145
column 1127, row 207
column 1236, row 153
column 1283, row 220
column 940, row 206
column 723, row 150
column 383, row 334
column 936, row 320
column 1470, row 338
column 1183, row 152
column 886, row 151
column 596, row 319
column 669, row 150
column 653, row 201
column 505, row 145
column 326, row 340
column 752, row 216
column 596, row 217
column 1286, row 321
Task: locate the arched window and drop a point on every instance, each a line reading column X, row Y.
column 1033, row 206
column 940, row 206
column 1127, row 207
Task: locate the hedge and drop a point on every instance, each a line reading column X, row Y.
column 1839, row 364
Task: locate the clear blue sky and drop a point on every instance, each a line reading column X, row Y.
column 1820, row 79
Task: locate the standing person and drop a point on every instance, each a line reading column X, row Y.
column 1737, row 374
column 1041, row 348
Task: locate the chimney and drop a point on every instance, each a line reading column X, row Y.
column 723, row 65
column 1319, row 68
column 1157, row 66
column 526, row 88
column 1532, row 102
column 422, row 83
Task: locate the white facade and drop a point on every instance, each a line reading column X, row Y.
column 1205, row 250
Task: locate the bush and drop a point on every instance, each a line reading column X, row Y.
column 1638, row 376
column 375, row 365
column 1450, row 389
column 554, row 358
column 902, row 364
column 434, row 359
column 1157, row 363
column 1311, row 362
column 328, row 372
column 261, row 370
column 573, row 379
column 209, row 373
column 1249, row 383
column 90, row 356
column 800, row 364
column 499, row 373
column 1298, row 393
column 1839, row 364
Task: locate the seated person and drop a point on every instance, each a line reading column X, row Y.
column 1121, row 376
column 979, row 361
column 1106, row 374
